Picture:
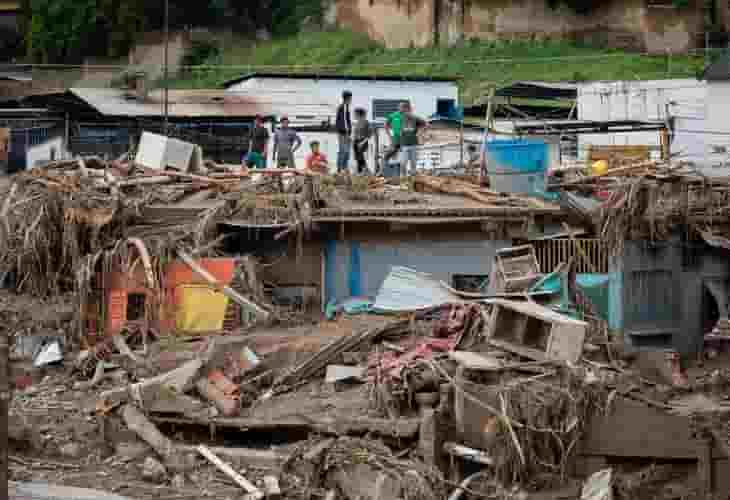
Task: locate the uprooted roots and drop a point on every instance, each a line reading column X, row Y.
column 547, row 420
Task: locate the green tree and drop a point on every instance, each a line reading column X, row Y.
column 58, row 28
column 69, row 30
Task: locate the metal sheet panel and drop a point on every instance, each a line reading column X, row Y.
column 207, row 103
column 406, row 289
column 178, row 154
column 441, row 259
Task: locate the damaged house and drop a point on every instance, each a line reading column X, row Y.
column 453, row 309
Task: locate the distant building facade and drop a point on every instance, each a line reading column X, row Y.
column 648, row 25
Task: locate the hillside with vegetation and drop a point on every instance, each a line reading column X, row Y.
column 478, row 64
column 67, row 31
column 290, row 36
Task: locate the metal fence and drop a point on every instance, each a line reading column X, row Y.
column 592, row 258
column 25, row 137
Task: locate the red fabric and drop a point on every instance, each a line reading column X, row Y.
column 313, row 158
column 392, row 363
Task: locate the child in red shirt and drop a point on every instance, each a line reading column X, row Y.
column 316, row 161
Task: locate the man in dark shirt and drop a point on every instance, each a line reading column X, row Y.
column 259, row 141
column 343, row 124
column 286, row 144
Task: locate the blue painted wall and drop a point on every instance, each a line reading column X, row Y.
column 358, row 268
column 662, row 291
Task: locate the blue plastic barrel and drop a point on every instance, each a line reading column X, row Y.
column 517, row 166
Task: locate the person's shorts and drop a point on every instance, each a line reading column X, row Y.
column 409, row 154
column 255, row 160
column 285, row 161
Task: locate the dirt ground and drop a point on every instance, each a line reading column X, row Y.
column 73, row 446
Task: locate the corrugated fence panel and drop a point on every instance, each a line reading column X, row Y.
column 551, row 253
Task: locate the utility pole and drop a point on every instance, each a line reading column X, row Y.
column 166, row 70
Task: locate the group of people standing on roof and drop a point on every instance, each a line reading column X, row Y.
column 354, row 133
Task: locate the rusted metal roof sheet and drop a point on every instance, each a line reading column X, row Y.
column 205, row 103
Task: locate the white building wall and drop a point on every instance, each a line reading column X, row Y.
column 683, row 99
column 422, row 95
column 52, row 149
column 716, row 133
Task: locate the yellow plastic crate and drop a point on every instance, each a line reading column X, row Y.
column 201, row 309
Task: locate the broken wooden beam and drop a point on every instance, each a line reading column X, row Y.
column 145, row 181
column 450, row 186
column 147, row 431
column 247, row 457
column 226, row 469
column 406, row 428
column 334, row 351
column 224, row 289
column 175, row 382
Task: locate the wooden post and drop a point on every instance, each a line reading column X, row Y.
column 704, row 467
column 665, row 144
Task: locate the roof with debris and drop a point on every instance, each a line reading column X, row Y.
column 198, row 104
column 395, row 203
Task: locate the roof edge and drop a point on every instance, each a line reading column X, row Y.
column 316, row 76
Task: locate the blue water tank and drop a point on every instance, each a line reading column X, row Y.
column 517, row 166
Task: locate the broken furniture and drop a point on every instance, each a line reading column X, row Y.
column 535, row 332
column 475, row 426
column 514, row 269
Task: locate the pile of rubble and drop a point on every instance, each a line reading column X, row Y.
column 514, row 392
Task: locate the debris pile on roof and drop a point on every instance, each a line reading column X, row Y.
column 646, row 199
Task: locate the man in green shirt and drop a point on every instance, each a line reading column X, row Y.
column 411, row 125
column 394, row 127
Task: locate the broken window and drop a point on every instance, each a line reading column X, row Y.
column 384, row 107
column 445, row 107
column 135, row 306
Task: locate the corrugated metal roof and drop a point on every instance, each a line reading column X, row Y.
column 407, row 290
column 331, row 76
column 205, row 103
column 539, row 90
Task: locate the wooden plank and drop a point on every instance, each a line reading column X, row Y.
column 704, row 467
column 228, row 471
column 474, row 361
column 525, row 352
column 405, row 428
column 566, row 342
